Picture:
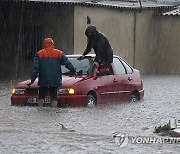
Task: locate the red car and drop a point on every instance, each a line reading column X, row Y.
column 118, row 84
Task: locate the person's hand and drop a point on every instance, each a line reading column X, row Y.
column 75, row 74
column 81, row 57
column 96, row 64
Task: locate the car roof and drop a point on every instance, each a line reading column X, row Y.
column 88, row 55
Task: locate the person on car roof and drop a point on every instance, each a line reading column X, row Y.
column 101, row 46
column 47, row 67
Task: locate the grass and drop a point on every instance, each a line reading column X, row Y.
column 162, row 129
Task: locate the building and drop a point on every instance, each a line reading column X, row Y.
column 145, row 35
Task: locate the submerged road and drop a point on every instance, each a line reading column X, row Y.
column 32, row 130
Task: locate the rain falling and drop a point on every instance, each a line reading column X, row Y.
column 144, row 33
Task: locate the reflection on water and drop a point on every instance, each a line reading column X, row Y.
column 35, row 130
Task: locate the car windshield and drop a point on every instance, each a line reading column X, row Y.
column 82, row 67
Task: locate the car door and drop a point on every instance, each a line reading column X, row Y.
column 124, row 80
column 107, row 88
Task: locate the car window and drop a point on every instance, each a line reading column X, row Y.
column 128, row 68
column 83, row 66
column 118, row 66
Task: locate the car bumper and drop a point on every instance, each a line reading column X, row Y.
column 72, row 100
column 141, row 94
column 63, row 100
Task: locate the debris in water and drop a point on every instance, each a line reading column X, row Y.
column 145, row 128
column 63, row 128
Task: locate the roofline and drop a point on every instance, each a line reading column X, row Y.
column 174, row 12
column 88, row 55
column 92, row 4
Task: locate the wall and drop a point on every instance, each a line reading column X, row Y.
column 116, row 25
column 9, row 26
column 157, row 43
column 167, row 46
column 146, row 40
column 145, row 37
column 24, row 26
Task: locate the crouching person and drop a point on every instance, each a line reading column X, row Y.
column 102, row 48
column 47, row 67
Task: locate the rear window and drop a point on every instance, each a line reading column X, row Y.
column 128, row 68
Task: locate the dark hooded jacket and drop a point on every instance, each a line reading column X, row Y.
column 47, row 65
column 100, row 44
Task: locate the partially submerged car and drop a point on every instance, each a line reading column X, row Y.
column 120, row 83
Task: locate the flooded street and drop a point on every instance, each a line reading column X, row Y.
column 90, row 130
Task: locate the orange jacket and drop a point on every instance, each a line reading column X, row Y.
column 47, row 65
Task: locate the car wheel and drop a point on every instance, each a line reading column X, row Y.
column 91, row 100
column 134, row 98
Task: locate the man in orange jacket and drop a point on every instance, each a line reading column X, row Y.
column 47, row 67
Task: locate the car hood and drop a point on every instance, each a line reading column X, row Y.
column 67, row 81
